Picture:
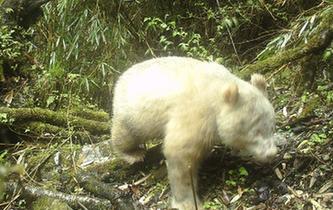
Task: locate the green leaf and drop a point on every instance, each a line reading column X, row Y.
column 228, row 22
column 3, row 117
column 50, row 100
column 235, row 21
column 243, row 171
column 327, row 55
column 231, row 183
column 8, row 10
column 87, row 84
column 323, row 135
column 3, row 155
column 318, row 138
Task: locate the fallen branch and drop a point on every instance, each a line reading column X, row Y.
column 75, row 201
column 93, row 184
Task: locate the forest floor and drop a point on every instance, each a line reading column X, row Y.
column 299, row 178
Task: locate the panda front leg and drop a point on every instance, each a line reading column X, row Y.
column 184, row 150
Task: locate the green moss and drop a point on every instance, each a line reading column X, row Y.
column 45, row 203
column 310, row 106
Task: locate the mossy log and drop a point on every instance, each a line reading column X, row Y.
column 316, row 44
column 23, row 115
column 45, row 131
column 89, row 114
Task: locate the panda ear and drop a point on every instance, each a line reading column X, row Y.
column 259, row 82
column 231, row 94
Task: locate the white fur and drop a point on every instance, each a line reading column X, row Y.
column 193, row 105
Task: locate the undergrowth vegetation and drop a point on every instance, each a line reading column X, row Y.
column 81, row 47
